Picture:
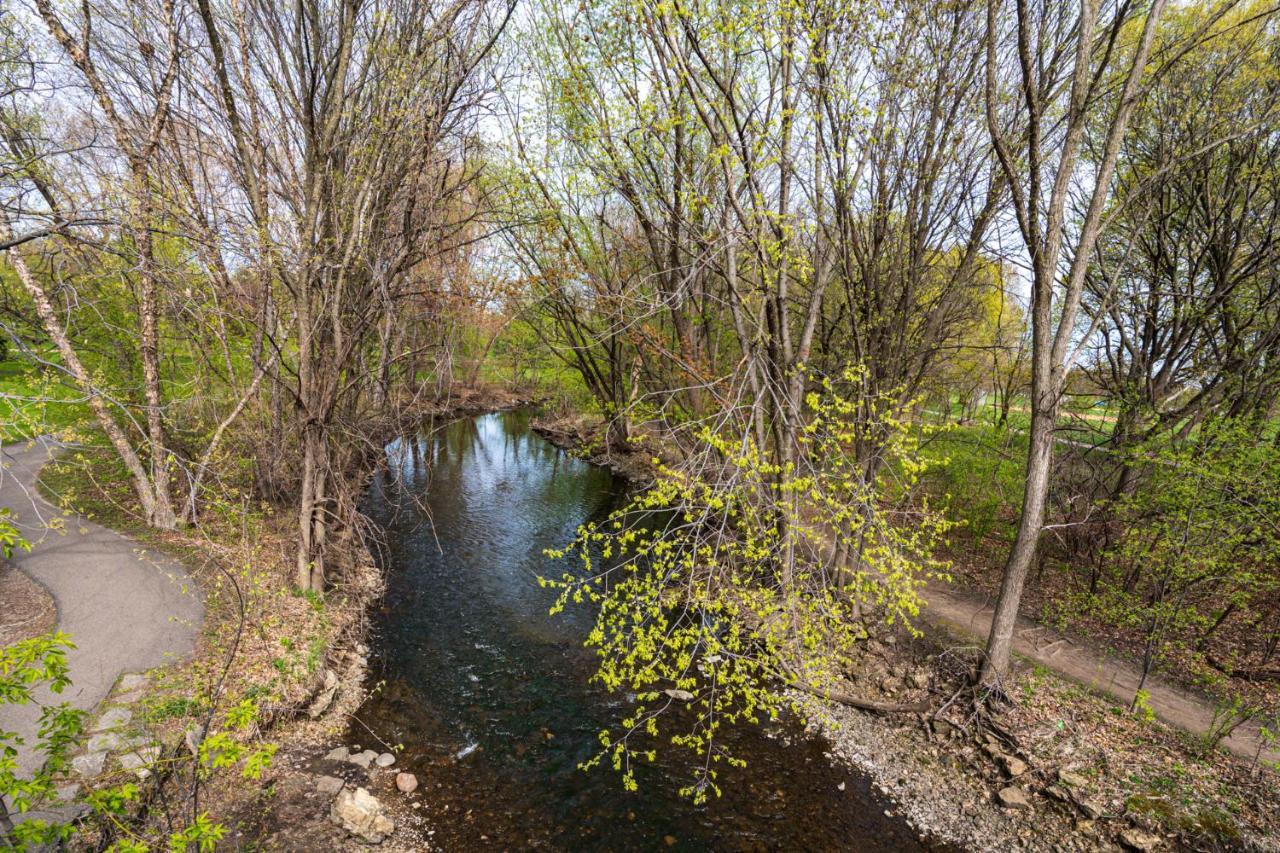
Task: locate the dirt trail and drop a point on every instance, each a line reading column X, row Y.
column 1113, row 676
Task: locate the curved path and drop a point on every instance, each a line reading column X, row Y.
column 127, row 609
column 972, row 614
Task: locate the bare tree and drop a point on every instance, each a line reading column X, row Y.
column 1062, row 73
column 133, row 93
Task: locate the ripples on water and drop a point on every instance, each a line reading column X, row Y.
column 490, row 695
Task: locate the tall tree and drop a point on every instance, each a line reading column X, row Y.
column 1059, row 74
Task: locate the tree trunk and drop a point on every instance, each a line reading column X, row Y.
column 49, row 318
column 1034, row 498
column 313, row 508
column 161, row 513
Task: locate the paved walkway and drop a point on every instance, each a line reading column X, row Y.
column 1117, row 678
column 126, row 609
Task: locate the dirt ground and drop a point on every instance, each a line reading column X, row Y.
column 28, row 608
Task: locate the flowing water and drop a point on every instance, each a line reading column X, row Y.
column 490, row 695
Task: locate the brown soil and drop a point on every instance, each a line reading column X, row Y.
column 28, row 611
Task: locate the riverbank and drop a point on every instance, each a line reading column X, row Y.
column 1058, row 768
column 277, row 672
column 582, row 435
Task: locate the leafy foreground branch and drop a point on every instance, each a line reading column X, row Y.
column 736, row 579
column 115, row 812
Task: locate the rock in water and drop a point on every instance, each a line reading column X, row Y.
column 1013, row 797
column 407, row 783
column 360, row 813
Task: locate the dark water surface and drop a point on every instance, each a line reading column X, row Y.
column 490, row 695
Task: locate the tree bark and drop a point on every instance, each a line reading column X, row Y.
column 49, row 319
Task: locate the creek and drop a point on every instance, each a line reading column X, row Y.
column 491, row 696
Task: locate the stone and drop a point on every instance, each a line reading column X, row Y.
column 132, row 681
column 193, row 737
column 1059, row 793
column 406, row 783
column 140, row 760
column 106, row 742
column 364, row 759
column 1136, row 839
column 325, row 696
column 681, row 695
column 67, row 792
column 89, row 763
column 112, row 719
column 1013, row 797
column 1013, row 765
column 330, row 785
column 339, row 754
column 1072, row 779
column 63, row 813
column 360, row 813
column 385, row 760
column 943, row 728
column 920, row 679
column 1091, row 809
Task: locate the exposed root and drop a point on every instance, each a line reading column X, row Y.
column 864, row 704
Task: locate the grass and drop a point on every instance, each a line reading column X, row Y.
column 978, row 472
column 35, row 401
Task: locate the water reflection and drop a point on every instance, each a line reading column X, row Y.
column 490, row 695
